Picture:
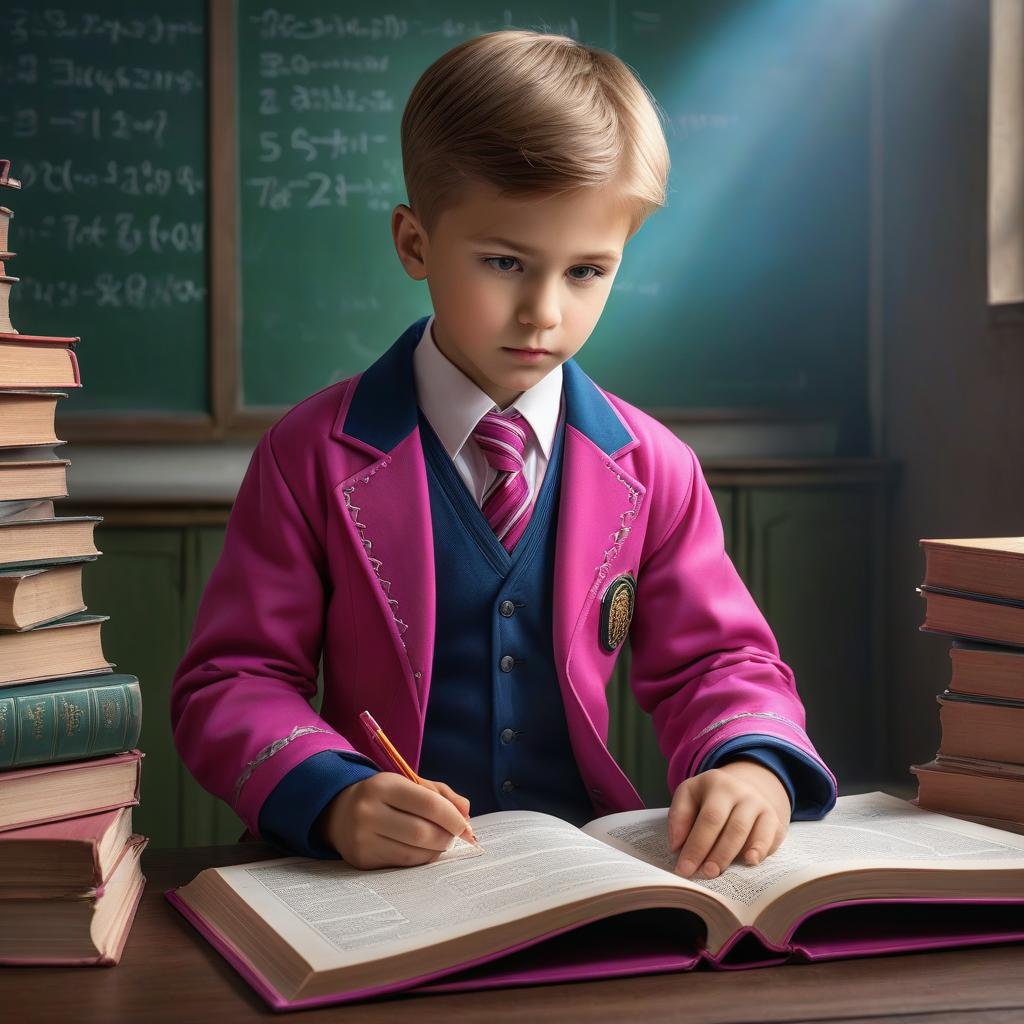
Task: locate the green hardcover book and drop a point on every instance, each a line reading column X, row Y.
column 69, row 719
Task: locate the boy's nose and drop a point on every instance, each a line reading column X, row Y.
column 541, row 311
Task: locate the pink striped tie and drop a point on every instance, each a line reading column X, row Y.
column 507, row 505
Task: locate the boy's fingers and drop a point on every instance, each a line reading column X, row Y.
column 456, row 798
column 428, row 802
column 762, row 839
column 413, row 828
column 681, row 815
column 391, row 852
column 731, row 839
column 710, row 821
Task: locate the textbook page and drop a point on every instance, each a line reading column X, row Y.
column 865, row 830
column 336, row 915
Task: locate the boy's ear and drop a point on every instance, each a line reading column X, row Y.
column 410, row 241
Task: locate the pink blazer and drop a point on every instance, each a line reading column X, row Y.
column 329, row 550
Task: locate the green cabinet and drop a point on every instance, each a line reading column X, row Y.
column 148, row 580
column 137, row 582
column 807, row 553
column 812, row 575
column 204, row 819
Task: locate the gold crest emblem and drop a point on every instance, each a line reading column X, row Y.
column 617, row 611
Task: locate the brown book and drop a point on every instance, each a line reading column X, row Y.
column 973, row 618
column 7, row 282
column 70, row 854
column 987, row 670
column 67, row 789
column 993, row 566
column 17, row 511
column 71, row 646
column 980, row 766
column 39, row 541
column 6, row 181
column 85, row 927
column 28, row 417
column 32, row 595
column 973, row 794
column 35, row 472
column 36, row 360
column 981, row 727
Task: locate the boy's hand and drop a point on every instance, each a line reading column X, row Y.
column 721, row 811
column 389, row 821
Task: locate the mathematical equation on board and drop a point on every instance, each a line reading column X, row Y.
column 123, row 232
column 104, row 118
column 136, row 291
column 314, row 108
column 32, row 24
column 30, row 69
column 88, row 124
column 144, row 178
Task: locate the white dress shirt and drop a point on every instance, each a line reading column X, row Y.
column 454, row 405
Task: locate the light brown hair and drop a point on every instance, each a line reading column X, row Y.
column 531, row 114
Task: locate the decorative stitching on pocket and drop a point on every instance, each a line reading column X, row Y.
column 269, row 751
column 375, row 563
column 625, row 517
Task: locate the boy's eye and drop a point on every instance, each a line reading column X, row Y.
column 500, row 259
column 491, row 261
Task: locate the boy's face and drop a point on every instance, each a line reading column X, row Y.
column 513, row 274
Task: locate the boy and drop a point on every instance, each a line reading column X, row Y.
column 474, row 521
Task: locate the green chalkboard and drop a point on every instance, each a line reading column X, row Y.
column 749, row 289
column 104, row 120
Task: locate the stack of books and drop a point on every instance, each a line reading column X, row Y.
column 974, row 590
column 70, row 874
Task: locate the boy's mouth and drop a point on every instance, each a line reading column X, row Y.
column 528, row 355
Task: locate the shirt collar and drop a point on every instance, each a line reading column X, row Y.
column 454, row 405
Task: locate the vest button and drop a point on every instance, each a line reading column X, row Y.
column 507, row 786
column 507, row 735
column 507, row 608
column 507, row 663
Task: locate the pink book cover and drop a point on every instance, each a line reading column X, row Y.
column 87, row 830
column 44, row 339
column 65, row 766
column 845, row 929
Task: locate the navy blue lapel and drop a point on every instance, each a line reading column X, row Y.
column 383, row 409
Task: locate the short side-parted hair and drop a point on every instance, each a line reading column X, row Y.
column 531, row 114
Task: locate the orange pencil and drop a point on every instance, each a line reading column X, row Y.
column 376, row 733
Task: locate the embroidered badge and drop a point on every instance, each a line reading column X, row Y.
column 617, row 611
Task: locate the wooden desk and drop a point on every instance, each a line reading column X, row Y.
column 169, row 973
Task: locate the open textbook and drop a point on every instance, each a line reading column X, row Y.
column 546, row 901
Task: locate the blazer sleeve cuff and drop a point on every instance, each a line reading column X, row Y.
column 287, row 816
column 811, row 792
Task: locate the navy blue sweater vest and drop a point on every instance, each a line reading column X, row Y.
column 495, row 729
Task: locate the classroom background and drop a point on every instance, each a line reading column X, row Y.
column 206, row 203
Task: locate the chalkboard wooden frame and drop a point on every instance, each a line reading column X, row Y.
column 230, row 418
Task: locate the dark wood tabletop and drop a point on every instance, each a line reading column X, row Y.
column 169, row 973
